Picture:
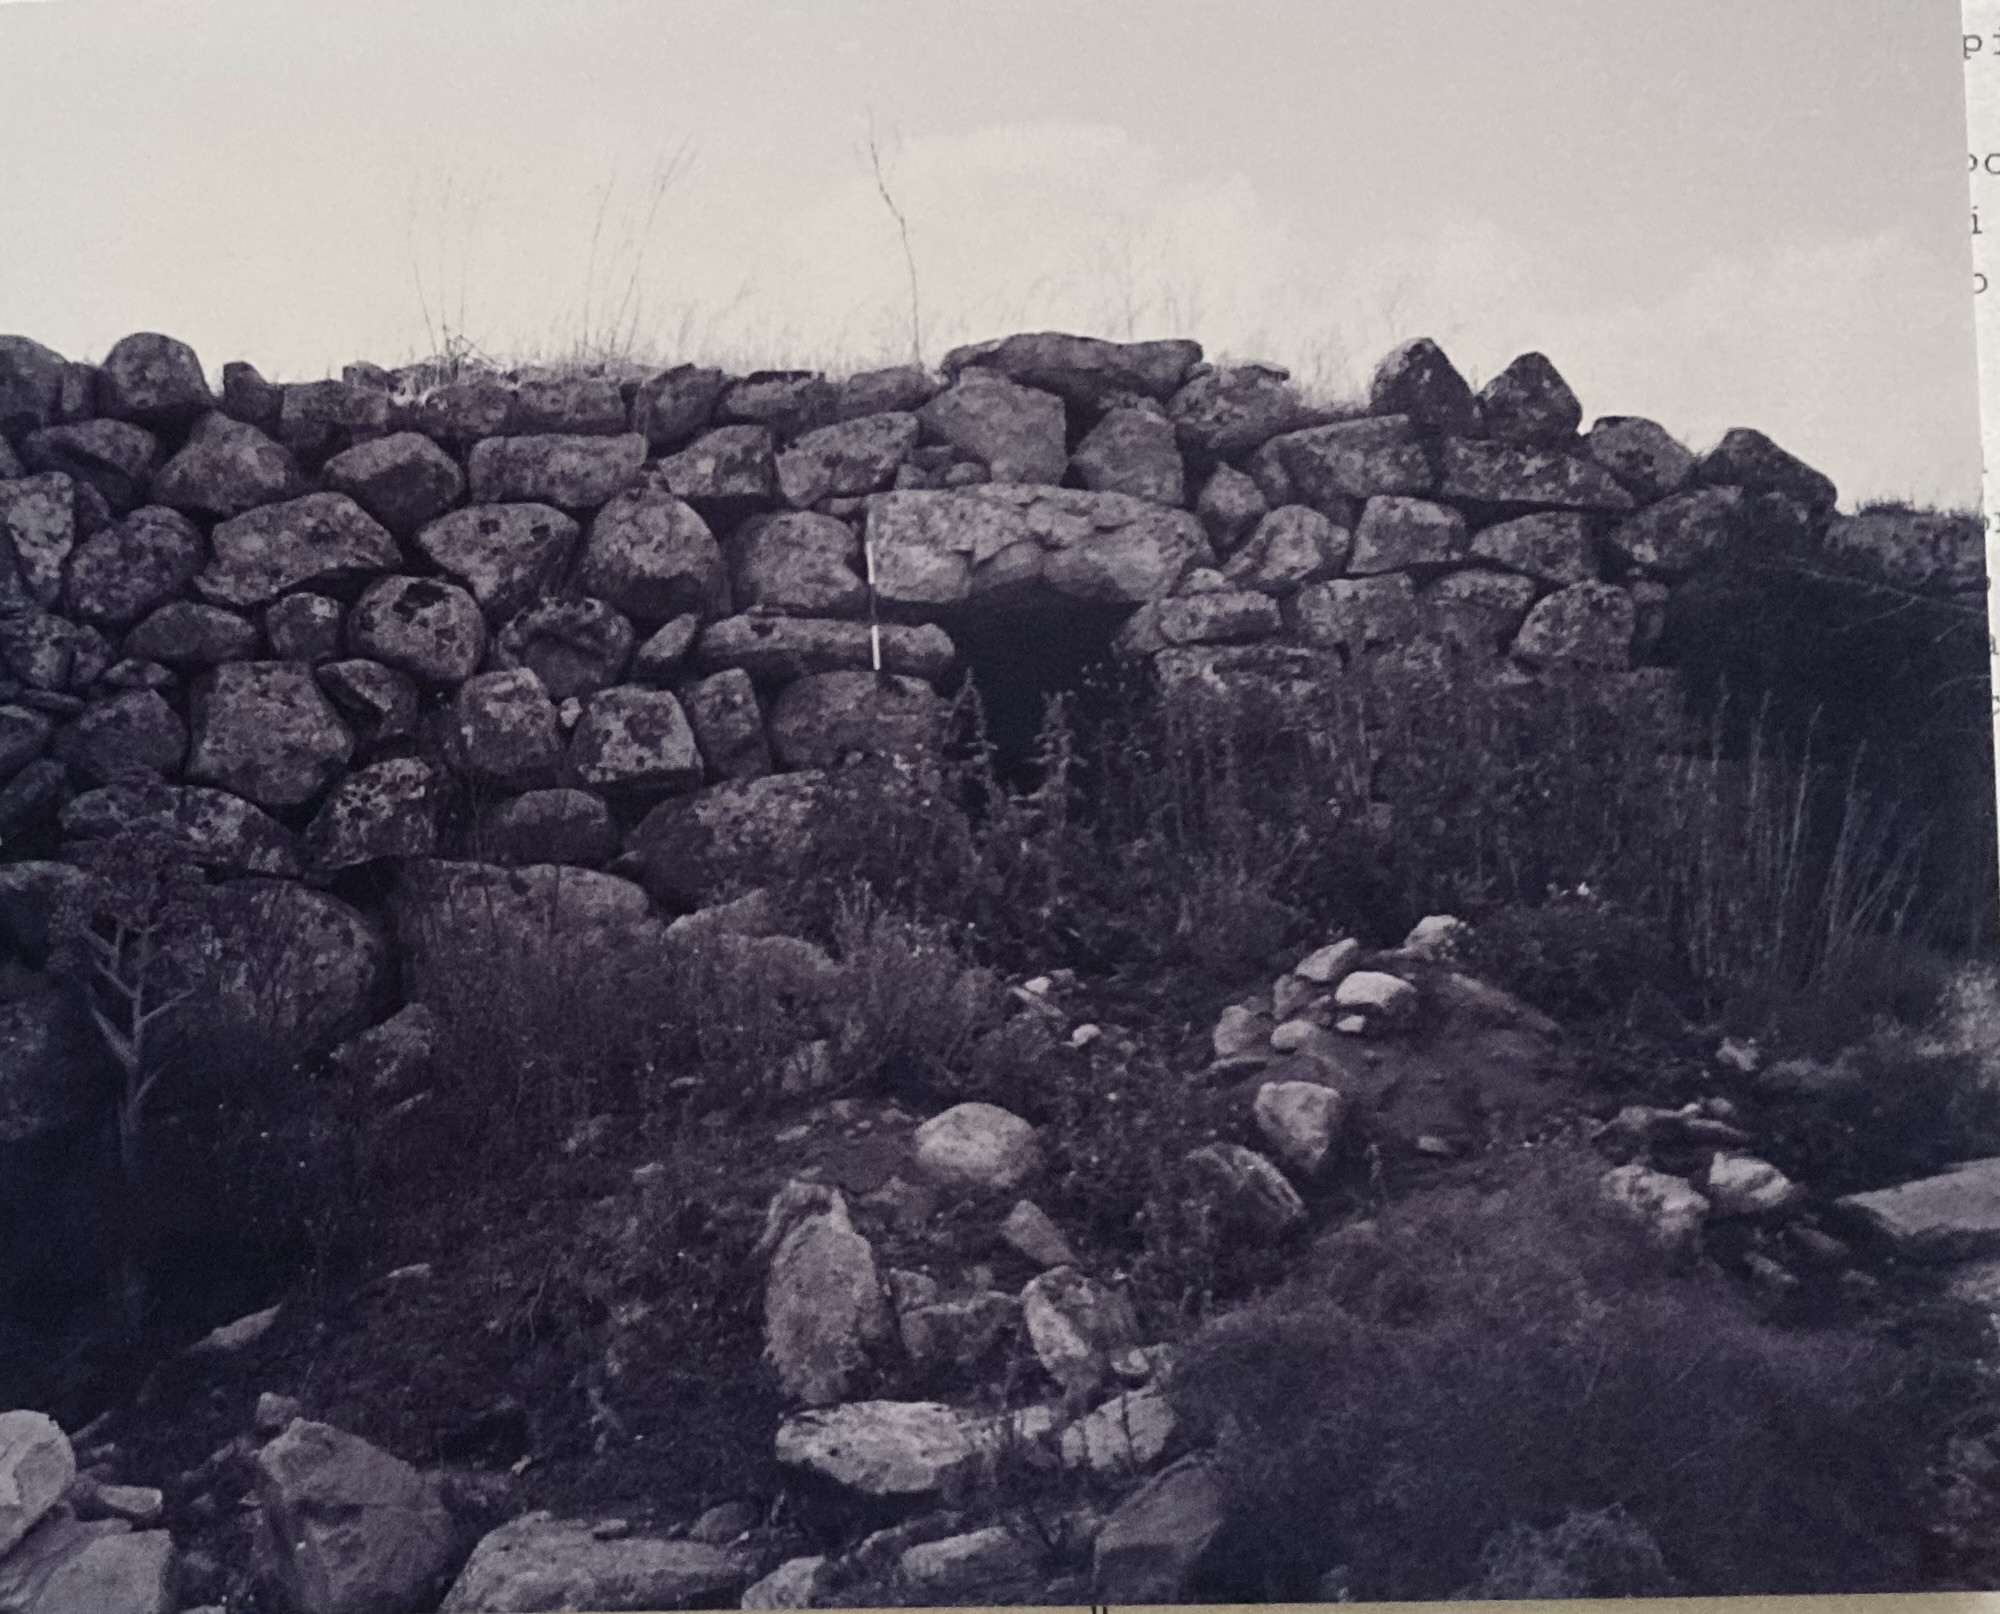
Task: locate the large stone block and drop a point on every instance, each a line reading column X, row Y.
column 821, row 719
column 264, row 730
column 320, row 540
column 571, row 472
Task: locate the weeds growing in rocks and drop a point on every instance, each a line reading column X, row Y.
column 1474, row 1362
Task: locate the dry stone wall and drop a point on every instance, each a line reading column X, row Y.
column 566, row 620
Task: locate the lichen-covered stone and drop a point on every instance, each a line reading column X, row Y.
column 1418, row 381
column 507, row 555
column 650, row 555
column 153, row 380
column 1229, row 412
column 797, row 565
column 214, row 828
column 571, row 472
column 226, row 468
column 1354, row 459
column 825, row 717
column 731, row 467
column 31, row 378
column 114, row 458
column 184, row 634
column 1292, row 546
column 1681, row 534
column 1017, row 433
column 1584, row 625
column 402, row 480
column 574, row 646
column 548, row 826
column 631, row 738
column 430, row 629
column 851, row 457
column 501, row 729
column 1133, row 451
column 119, row 574
column 388, row 809
column 1357, row 614
column 133, row 735
column 322, row 539
column 673, row 405
column 264, row 730
column 1501, row 473
column 1530, row 404
column 1749, row 460
column 378, row 703
column 728, row 724
column 1397, row 533
column 1641, row 453
column 304, row 627
column 1551, row 546
column 777, row 649
column 1086, row 371
column 37, row 536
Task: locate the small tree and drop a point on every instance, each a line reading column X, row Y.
column 116, row 938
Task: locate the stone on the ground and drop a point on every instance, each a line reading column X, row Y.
column 1418, row 381
column 139, row 1505
column 574, row 646
column 1953, row 1216
column 317, row 539
column 728, row 724
column 1132, row 451
column 264, row 730
column 1253, row 1193
column 36, row 1467
column 1680, row 535
column 957, row 1333
column 978, row 1147
column 795, row 1583
column 1240, row 1030
column 1641, row 454
column 1331, row 964
column 214, row 828
column 1231, row 411
column 1301, row 1122
column 781, row 649
column 539, row 1561
column 1156, row 1538
column 1128, row 1432
column 1087, row 371
column 1004, row 542
column 390, row 1060
column 135, row 735
column 797, row 564
column 1436, row 938
column 854, row 456
column 388, row 809
column 1030, row 1233
column 501, row 729
column 226, row 468
column 114, row 460
column 117, row 575
column 885, row 1448
column 1671, row 1209
column 824, row 1310
column 304, row 627
column 183, row 634
column 729, row 468
column 153, row 379
column 507, row 555
column 634, row 739
column 672, row 406
column 1229, row 506
column 429, row 629
column 1529, row 403
column 981, row 1566
column 37, row 536
column 1016, row 432
column 548, row 826
column 1742, row 1185
column 346, row 1527
column 653, row 557
column 823, row 718
column 570, row 472
column 1075, row 1325
column 378, row 703
column 1388, row 1000
column 1587, row 625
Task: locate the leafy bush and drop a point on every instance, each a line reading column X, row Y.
column 1575, row 956
column 1474, row 1361
column 1600, row 1553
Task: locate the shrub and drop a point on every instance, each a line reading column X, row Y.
column 1599, row 1553
column 1575, row 956
column 1474, row 1361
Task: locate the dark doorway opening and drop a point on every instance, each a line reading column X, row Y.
column 1018, row 660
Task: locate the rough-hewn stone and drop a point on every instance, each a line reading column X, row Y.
column 322, row 539
column 264, row 730
column 119, row 574
column 227, row 467
column 822, row 718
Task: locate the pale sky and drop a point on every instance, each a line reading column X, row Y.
column 1713, row 212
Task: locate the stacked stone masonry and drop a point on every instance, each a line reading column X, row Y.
column 297, row 623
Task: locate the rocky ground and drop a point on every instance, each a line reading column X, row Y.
column 850, row 1353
